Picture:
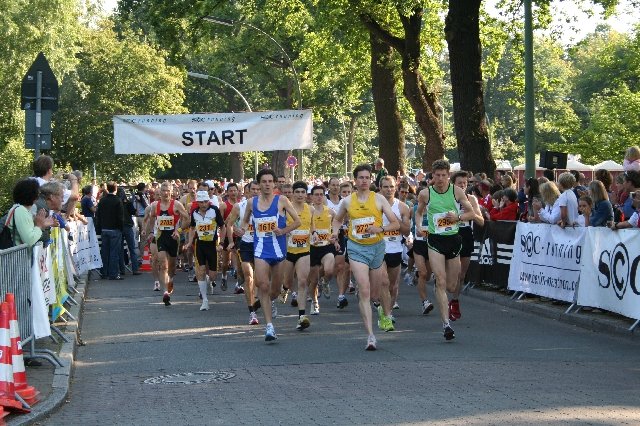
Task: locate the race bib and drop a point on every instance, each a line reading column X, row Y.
column 359, row 227
column 442, row 224
column 392, row 236
column 206, row 231
column 298, row 238
column 322, row 237
column 166, row 223
column 250, row 230
column 265, row 226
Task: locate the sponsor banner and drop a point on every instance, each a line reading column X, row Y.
column 46, row 276
column 546, row 260
column 59, row 273
column 213, row 133
column 39, row 313
column 610, row 277
column 84, row 248
column 493, row 249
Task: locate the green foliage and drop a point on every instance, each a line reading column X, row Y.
column 114, row 76
column 15, row 163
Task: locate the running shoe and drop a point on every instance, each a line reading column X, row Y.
column 191, row 277
column 326, row 290
column 342, row 302
column 238, row 290
column 170, row 287
column 303, row 322
column 384, row 322
column 408, row 280
column 205, row 305
column 185, row 268
column 234, row 274
column 371, row 343
column 223, row 284
column 315, row 308
column 294, row 299
column 396, row 306
column 274, row 309
column 240, row 281
column 284, row 294
column 448, row 333
column 270, row 333
column 426, row 307
column 166, row 299
column 352, row 288
column 156, row 286
column 253, row 318
column 454, row 310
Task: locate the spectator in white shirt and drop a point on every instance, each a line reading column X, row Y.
column 568, row 201
column 551, row 211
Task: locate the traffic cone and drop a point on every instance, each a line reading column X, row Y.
column 146, row 260
column 7, row 390
column 26, row 392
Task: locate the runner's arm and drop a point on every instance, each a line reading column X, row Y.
column 469, row 213
column 288, row 207
column 339, row 218
column 405, row 219
column 393, row 225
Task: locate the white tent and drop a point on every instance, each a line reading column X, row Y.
column 503, row 165
column 522, row 167
column 610, row 165
column 455, row 167
column 576, row 165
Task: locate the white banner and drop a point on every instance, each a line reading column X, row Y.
column 84, row 248
column 213, row 133
column 39, row 311
column 610, row 277
column 546, row 260
column 45, row 265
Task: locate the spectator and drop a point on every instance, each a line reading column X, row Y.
column 43, row 173
column 51, row 196
column 631, row 184
column 578, row 189
column 508, row 206
column 542, row 180
column 585, row 204
column 568, row 200
column 602, row 209
column 551, row 211
column 531, row 191
column 548, row 173
column 380, row 171
column 127, row 233
column 87, row 203
column 605, row 177
column 632, row 159
column 485, row 194
column 109, row 221
column 632, row 222
column 506, row 181
column 24, row 227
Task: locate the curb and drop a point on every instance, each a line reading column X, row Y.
column 593, row 322
column 62, row 375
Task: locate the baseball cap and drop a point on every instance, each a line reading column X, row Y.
column 202, row 196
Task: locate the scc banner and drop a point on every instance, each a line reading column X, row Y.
column 492, row 253
column 84, row 248
column 213, row 133
column 546, row 260
column 610, row 278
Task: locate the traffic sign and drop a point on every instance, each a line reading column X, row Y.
column 49, row 91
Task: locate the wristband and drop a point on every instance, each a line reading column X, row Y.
column 178, row 230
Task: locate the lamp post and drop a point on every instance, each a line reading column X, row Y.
column 232, row 23
column 207, row 77
column 529, row 123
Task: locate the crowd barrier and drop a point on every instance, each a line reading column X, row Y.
column 43, row 281
column 592, row 266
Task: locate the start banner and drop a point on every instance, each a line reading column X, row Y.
column 610, row 277
column 213, row 133
column 546, row 260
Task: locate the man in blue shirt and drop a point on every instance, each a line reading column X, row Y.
column 631, row 184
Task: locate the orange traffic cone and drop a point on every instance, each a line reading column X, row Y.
column 7, row 390
column 146, row 260
column 26, row 392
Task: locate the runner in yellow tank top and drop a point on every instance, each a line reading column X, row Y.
column 322, row 250
column 366, row 247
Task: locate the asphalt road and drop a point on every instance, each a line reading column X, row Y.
column 140, row 360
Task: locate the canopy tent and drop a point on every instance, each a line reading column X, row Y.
column 503, row 165
column 610, row 165
column 576, row 165
column 455, row 167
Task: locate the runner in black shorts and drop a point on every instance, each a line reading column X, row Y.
column 322, row 249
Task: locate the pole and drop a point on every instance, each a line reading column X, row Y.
column 529, row 123
column 36, row 153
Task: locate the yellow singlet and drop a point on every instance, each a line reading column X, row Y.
column 298, row 239
column 322, row 226
column 361, row 216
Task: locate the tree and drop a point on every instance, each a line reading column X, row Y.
column 114, row 76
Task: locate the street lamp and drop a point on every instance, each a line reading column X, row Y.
column 232, row 23
column 207, row 77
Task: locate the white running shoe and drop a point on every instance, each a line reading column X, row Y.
column 253, row 318
column 315, row 309
column 156, row 286
column 270, row 333
column 205, row 305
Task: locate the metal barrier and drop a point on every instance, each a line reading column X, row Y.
column 15, row 277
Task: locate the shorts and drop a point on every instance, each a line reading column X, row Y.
column 317, row 253
column 393, row 260
column 447, row 245
column 167, row 244
column 342, row 240
column 294, row 257
column 370, row 254
column 225, row 242
column 421, row 248
column 466, row 233
column 246, row 251
column 272, row 261
column 206, row 253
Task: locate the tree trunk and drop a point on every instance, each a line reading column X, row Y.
column 423, row 102
column 385, row 101
column 462, row 31
column 237, row 169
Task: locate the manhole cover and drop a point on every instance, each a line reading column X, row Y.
column 191, row 378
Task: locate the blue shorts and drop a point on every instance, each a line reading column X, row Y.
column 369, row 254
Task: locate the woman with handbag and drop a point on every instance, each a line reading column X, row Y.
column 24, row 227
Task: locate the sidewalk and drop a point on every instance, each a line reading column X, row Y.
column 53, row 383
